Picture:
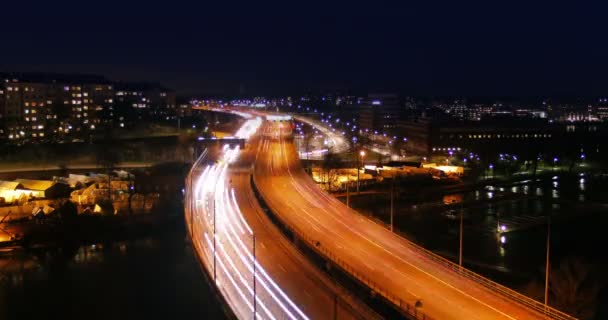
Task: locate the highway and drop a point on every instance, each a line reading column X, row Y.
column 286, row 284
column 394, row 267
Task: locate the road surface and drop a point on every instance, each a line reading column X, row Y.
column 286, row 285
column 396, row 268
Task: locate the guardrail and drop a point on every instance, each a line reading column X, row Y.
column 408, row 309
column 487, row 283
column 188, row 212
column 412, row 309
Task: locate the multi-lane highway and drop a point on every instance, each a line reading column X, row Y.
column 225, row 218
column 397, row 269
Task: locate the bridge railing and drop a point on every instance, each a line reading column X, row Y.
column 479, row 279
column 493, row 286
column 407, row 308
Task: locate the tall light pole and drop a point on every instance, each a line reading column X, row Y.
column 360, row 161
column 214, row 236
column 547, row 263
column 461, row 236
column 392, row 199
column 347, row 192
column 254, row 282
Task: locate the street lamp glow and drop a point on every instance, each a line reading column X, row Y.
column 362, row 153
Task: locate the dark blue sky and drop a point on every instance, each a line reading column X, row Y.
column 421, row 48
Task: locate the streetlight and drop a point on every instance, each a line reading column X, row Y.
column 254, row 280
column 555, row 159
column 461, row 234
column 392, row 199
column 347, row 191
column 360, row 158
column 547, row 263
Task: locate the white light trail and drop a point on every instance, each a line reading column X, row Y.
column 231, row 230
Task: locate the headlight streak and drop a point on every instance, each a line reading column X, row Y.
column 213, row 193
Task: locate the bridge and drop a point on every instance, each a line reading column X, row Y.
column 225, row 221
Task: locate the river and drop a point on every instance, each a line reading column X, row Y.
column 149, row 277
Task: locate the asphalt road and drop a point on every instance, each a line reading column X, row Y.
column 372, row 252
column 316, row 295
column 286, row 286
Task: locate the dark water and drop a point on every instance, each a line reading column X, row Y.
column 153, row 277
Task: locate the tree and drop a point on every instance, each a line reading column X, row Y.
column 330, row 163
column 68, row 212
column 573, row 288
column 107, row 158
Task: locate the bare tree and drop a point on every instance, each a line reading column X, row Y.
column 330, row 163
column 573, row 288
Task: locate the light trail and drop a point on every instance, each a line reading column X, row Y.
column 213, row 198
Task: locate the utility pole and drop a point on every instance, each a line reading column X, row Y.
column 254, row 282
column 548, row 264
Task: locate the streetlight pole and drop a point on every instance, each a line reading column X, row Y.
column 254, row 282
column 359, row 161
column 347, row 192
column 392, row 199
column 461, row 236
column 548, row 264
column 192, row 202
column 214, row 236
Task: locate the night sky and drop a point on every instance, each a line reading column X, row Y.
column 419, row 48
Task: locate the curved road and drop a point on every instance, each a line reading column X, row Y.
column 372, row 253
column 286, row 286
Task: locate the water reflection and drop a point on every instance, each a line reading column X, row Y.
column 147, row 278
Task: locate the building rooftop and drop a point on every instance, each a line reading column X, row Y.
column 40, row 185
column 10, row 185
column 140, row 86
column 42, row 77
